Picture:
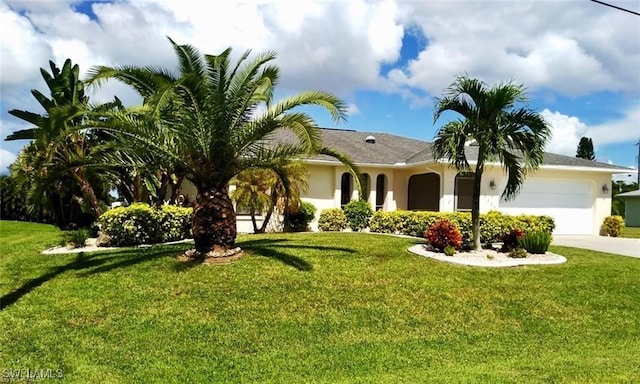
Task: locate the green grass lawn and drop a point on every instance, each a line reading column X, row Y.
column 633, row 232
column 317, row 308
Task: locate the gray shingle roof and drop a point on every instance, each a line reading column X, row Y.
column 392, row 149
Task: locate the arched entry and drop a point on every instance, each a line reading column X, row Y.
column 424, row 192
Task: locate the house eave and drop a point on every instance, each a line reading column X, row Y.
column 472, row 163
column 369, row 165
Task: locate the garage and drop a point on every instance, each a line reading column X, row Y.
column 569, row 202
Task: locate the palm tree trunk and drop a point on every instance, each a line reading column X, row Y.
column 267, row 217
column 475, row 209
column 214, row 220
column 88, row 192
column 253, row 221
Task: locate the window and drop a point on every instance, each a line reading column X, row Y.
column 424, row 192
column 464, row 191
column 345, row 189
column 381, row 191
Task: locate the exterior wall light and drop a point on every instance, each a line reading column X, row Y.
column 492, row 184
column 605, row 189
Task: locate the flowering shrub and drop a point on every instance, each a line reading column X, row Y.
column 444, row 233
column 141, row 224
column 512, row 239
column 175, row 222
column 332, row 219
column 612, row 226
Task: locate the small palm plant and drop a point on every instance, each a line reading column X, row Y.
column 504, row 130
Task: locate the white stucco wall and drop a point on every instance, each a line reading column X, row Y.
column 325, row 189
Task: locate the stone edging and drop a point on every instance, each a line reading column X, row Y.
column 480, row 259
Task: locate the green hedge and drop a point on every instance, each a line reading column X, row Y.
column 141, row 224
column 332, row 219
column 493, row 225
column 358, row 213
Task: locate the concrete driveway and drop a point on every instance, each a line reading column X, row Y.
column 616, row 245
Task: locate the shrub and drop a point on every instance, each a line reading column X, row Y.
column 511, row 240
column 493, row 225
column 444, row 233
column 461, row 219
column 332, row 219
column 176, row 222
column 299, row 221
column 75, row 239
column 358, row 213
column 536, row 242
column 612, row 226
column 531, row 223
column 449, row 250
column 518, row 253
column 141, row 224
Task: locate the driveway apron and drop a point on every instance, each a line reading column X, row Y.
column 616, row 245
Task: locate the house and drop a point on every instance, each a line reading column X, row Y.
column 631, row 208
column 401, row 173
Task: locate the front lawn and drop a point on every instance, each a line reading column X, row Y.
column 632, row 232
column 316, row 308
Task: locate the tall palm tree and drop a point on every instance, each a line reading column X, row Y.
column 54, row 163
column 214, row 120
column 504, row 129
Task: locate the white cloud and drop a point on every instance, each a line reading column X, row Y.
column 352, row 109
column 22, row 52
column 340, row 46
column 618, row 130
column 566, row 132
column 6, row 158
column 573, row 48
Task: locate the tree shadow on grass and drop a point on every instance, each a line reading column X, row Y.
column 102, row 262
column 271, row 248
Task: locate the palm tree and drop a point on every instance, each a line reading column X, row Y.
column 214, row 120
column 503, row 128
column 53, row 165
column 270, row 190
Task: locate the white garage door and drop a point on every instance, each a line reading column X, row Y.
column 569, row 202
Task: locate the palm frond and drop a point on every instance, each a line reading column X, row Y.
column 449, row 144
column 349, row 164
column 189, row 59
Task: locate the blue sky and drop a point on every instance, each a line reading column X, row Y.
column 387, row 59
